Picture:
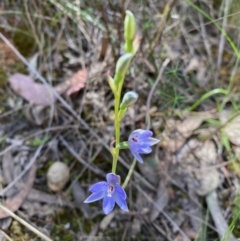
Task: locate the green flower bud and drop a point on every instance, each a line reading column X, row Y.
column 122, row 67
column 128, row 99
column 129, row 26
column 111, row 84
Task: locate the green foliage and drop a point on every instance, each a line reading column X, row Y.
column 38, row 141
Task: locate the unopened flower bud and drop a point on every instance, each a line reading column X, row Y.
column 122, row 67
column 129, row 26
column 128, row 99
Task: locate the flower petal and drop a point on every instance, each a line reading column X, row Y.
column 134, row 147
column 137, row 156
column 121, row 202
column 112, row 178
column 120, row 191
column 144, row 135
column 108, row 204
column 145, row 150
column 140, row 134
column 95, row 196
column 151, row 141
column 99, row 187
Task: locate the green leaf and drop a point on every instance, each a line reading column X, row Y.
column 37, row 142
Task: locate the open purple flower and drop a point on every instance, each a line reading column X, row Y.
column 139, row 143
column 110, row 191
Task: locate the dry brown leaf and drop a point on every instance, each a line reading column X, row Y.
column 107, row 220
column 197, row 159
column 38, row 196
column 200, row 67
column 79, row 196
column 207, row 154
column 74, row 84
column 15, row 202
column 35, row 93
column 135, row 228
column 37, row 114
column 8, row 167
column 216, row 213
column 161, row 201
column 104, row 47
column 231, row 128
column 208, row 180
column 189, row 125
column 8, row 57
column 171, row 138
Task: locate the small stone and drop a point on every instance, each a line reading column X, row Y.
column 57, row 176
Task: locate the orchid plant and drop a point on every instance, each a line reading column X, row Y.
column 139, row 141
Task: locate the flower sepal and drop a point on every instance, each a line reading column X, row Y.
column 121, row 113
column 111, row 84
column 112, row 149
column 122, row 145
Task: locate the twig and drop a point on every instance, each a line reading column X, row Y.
column 37, row 133
column 163, row 23
column 164, row 65
column 5, row 235
column 28, row 166
column 129, row 173
column 163, row 213
column 217, row 216
column 20, row 220
column 205, row 38
column 222, row 42
column 74, row 153
column 32, row 26
column 67, row 13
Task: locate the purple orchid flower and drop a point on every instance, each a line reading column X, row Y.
column 110, row 191
column 140, row 141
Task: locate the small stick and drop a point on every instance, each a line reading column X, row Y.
column 27, row 225
column 164, row 65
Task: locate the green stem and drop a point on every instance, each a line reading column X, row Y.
column 128, row 46
column 129, row 173
column 206, row 96
column 117, row 125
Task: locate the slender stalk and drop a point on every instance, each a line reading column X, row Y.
column 27, row 225
column 129, row 46
column 117, row 132
column 117, row 124
column 130, row 172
